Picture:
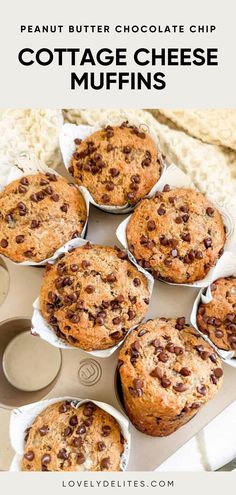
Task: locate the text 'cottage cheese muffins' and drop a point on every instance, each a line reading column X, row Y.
column 63, row 438
column 118, row 165
column 92, row 296
column 178, row 235
column 217, row 319
column 38, row 214
column 168, row 372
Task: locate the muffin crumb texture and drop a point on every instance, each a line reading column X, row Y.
column 178, row 235
column 217, row 319
column 168, row 372
column 63, row 438
column 118, row 165
column 92, row 296
column 38, row 214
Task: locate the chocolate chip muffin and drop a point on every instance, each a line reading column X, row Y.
column 63, row 438
column 177, row 235
column 167, row 372
column 217, row 319
column 38, row 214
column 92, row 296
column 118, row 165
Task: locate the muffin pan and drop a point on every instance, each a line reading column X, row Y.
column 85, row 376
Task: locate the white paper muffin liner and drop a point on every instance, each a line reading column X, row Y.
column 23, row 417
column 225, row 267
column 70, row 132
column 42, row 328
column 26, row 166
column 177, row 179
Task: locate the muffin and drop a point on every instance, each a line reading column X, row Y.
column 167, row 372
column 38, row 214
column 217, row 319
column 92, row 296
column 63, row 438
column 118, row 165
column 178, row 235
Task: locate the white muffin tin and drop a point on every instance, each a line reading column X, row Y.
column 82, row 375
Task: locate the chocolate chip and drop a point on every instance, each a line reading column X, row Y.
column 43, row 182
column 165, row 382
column 64, row 407
column 68, row 431
column 198, row 255
column 210, row 211
column 186, row 237
column 184, row 208
column 110, row 186
column 77, row 442
column 80, row 458
column 166, row 188
column 138, row 383
column 161, row 211
column 180, row 323
column 202, row 390
column 4, row 243
column 213, row 379
column 178, row 220
column 195, row 405
column 156, row 373
column 131, row 196
column 111, row 277
column 142, row 332
column 168, row 262
column 73, row 420
column 106, row 430
column 74, row 268
column 49, row 190
column 146, row 162
column 114, row 172
column 170, row 347
column 116, row 320
column 164, row 240
column 51, row 177
column 213, row 358
column 62, row 454
column 151, row 225
column 55, row 197
column 105, row 198
column 105, row 463
column 126, row 149
column 178, row 350
column 218, row 372
column 35, row 224
column 29, row 455
column 135, row 178
column 22, row 189
column 24, row 181
column 207, row 242
column 101, row 446
column 81, row 429
column 43, row 430
column 109, row 147
column 205, row 355
column 136, row 282
column 89, row 289
column 180, row 387
column 219, row 334
column 185, row 371
column 185, row 218
column 20, row 239
column 163, row 357
column 77, row 141
column 46, row 459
